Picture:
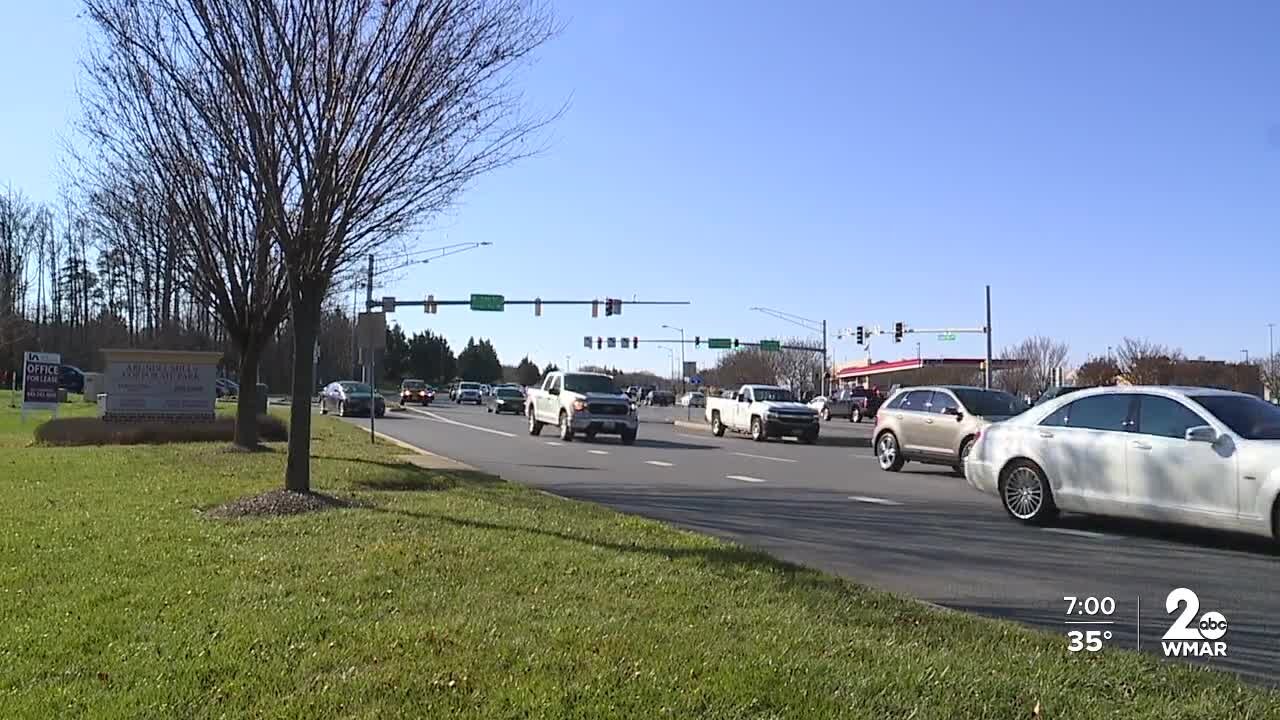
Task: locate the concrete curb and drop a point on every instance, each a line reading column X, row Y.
column 690, row 425
column 453, row 464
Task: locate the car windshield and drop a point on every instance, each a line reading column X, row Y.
column 773, row 395
column 355, row 387
column 990, row 403
column 506, row 392
column 1248, row 417
column 589, row 384
column 412, row 385
column 469, row 386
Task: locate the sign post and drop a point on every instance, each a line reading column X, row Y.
column 40, row 382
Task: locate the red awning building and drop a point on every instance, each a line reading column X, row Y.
column 911, row 371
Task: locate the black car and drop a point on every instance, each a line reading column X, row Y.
column 348, row 397
column 416, row 391
column 71, row 378
column 506, row 399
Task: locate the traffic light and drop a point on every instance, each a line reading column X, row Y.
column 861, row 334
column 697, row 341
column 595, row 308
column 599, row 343
column 430, row 306
column 898, row 330
column 537, row 307
column 617, row 306
column 735, row 343
column 608, row 307
column 635, row 343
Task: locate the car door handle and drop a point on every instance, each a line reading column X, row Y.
column 928, row 421
column 1046, row 434
column 1141, row 445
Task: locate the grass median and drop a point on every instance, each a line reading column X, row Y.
column 452, row 594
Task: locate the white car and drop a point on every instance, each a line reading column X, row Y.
column 692, row 399
column 1189, row 456
column 468, row 392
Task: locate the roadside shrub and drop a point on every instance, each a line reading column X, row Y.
column 92, row 431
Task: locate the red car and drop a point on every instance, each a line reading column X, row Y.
column 416, row 391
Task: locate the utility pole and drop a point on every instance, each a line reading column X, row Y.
column 368, row 303
column 681, row 331
column 826, row 364
column 1271, row 341
column 987, row 378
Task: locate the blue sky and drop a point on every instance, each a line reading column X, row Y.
column 1109, row 168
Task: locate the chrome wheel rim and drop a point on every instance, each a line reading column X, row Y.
column 1023, row 494
column 826, row 414
column 888, row 451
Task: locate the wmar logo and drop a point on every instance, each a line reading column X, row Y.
column 1188, row 637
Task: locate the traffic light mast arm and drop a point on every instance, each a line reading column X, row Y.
column 944, row 330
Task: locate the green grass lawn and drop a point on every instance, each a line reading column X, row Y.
column 456, row 595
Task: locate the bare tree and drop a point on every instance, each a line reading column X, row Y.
column 153, row 137
column 1039, row 357
column 1143, row 362
column 1097, row 371
column 800, row 370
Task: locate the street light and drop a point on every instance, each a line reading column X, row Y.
column 681, row 331
column 672, row 366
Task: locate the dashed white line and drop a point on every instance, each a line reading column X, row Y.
column 438, row 418
column 692, row 437
column 765, row 457
column 863, row 457
column 598, row 452
column 553, row 443
column 873, row 500
column 659, row 463
column 1077, row 533
column 744, row 478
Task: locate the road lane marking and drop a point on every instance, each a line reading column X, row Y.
column 863, row 457
column 598, row 452
column 764, row 457
column 1077, row 533
column 553, row 443
column 744, row 478
column 438, row 418
column 873, row 500
column 692, row 437
column 659, row 463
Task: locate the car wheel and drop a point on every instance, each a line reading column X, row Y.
column 855, row 415
column 629, row 437
column 888, row 454
column 717, row 427
column 757, row 430
column 1025, row 494
column 535, row 427
column 965, row 448
column 324, row 409
column 566, row 430
column 826, row 413
column 488, row 409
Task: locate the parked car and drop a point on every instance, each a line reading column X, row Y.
column 506, row 399
column 764, row 411
column 224, row 387
column 71, row 378
column 1192, row 456
column 1057, row 392
column 578, row 402
column 468, row 392
column 852, row 403
column 348, row 397
column 416, row 391
column 692, row 399
column 937, row 425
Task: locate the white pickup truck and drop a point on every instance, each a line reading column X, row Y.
column 764, row 411
column 586, row 403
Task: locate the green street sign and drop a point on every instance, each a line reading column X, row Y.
column 946, row 336
column 771, row 345
column 489, row 303
column 719, row 343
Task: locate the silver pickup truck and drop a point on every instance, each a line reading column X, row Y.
column 586, row 403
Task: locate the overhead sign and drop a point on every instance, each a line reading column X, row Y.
column 488, row 303
column 946, row 336
column 613, row 342
column 719, row 343
column 388, row 303
column 40, row 381
column 159, row 384
column 770, row 345
column 586, row 341
column 695, row 380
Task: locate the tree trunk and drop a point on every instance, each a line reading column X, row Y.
column 246, row 432
column 306, row 322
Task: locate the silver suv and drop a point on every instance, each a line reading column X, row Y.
column 937, row 425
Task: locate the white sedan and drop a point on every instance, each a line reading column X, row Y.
column 1189, row 456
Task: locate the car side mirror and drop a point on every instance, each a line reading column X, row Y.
column 954, row 412
column 1201, row 433
column 742, row 398
column 554, row 391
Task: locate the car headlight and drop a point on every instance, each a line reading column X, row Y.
column 634, row 407
column 579, row 405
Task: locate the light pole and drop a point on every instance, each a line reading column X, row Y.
column 568, row 363
column 1246, row 356
column 1271, row 341
column 672, row 366
column 681, row 331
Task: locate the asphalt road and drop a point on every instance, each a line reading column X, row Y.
column 922, row 532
